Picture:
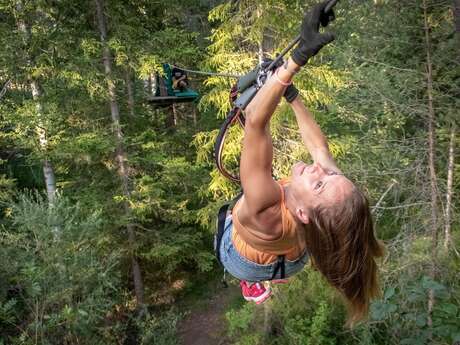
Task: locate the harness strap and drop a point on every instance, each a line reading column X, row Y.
column 233, row 115
column 222, row 215
column 280, row 266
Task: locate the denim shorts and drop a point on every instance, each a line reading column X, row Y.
column 244, row 269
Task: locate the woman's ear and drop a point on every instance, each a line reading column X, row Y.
column 302, row 215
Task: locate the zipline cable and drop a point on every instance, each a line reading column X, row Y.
column 284, row 52
column 227, row 75
column 274, row 62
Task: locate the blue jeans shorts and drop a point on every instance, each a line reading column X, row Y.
column 244, row 269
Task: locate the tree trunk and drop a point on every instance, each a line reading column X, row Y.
column 171, row 117
column 451, row 166
column 174, row 113
column 431, row 163
column 195, row 121
column 120, row 152
column 48, row 171
column 149, row 85
column 456, row 10
column 260, row 53
column 129, row 91
column 449, row 192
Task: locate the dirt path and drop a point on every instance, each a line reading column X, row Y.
column 205, row 325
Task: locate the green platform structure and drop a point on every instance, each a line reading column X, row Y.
column 166, row 95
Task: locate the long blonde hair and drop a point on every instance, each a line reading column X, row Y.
column 343, row 247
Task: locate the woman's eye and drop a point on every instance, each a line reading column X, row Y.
column 319, row 184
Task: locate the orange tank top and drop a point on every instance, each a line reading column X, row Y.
column 291, row 243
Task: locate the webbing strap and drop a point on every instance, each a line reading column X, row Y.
column 234, row 114
column 280, row 266
column 221, row 216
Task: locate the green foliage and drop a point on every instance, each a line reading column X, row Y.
column 6, row 188
column 320, row 332
column 159, row 329
column 404, row 310
column 78, row 283
column 317, row 317
column 242, row 326
column 240, row 320
column 64, row 282
column 312, row 330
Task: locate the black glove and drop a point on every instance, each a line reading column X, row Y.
column 311, row 40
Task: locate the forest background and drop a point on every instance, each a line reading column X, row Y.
column 108, row 204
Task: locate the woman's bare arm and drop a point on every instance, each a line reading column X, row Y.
column 260, row 190
column 312, row 136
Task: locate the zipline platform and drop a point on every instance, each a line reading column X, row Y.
column 166, row 94
column 168, row 100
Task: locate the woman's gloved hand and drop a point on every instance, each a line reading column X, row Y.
column 312, row 40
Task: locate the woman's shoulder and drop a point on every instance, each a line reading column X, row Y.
column 267, row 223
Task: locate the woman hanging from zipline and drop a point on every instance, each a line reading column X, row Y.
column 317, row 213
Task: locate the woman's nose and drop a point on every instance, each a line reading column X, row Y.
column 320, row 167
column 312, row 168
column 316, row 168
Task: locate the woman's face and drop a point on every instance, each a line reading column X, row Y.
column 313, row 185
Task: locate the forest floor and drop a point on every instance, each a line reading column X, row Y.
column 205, row 322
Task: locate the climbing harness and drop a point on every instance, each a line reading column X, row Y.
column 222, row 215
column 225, row 211
column 280, row 267
column 241, row 95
